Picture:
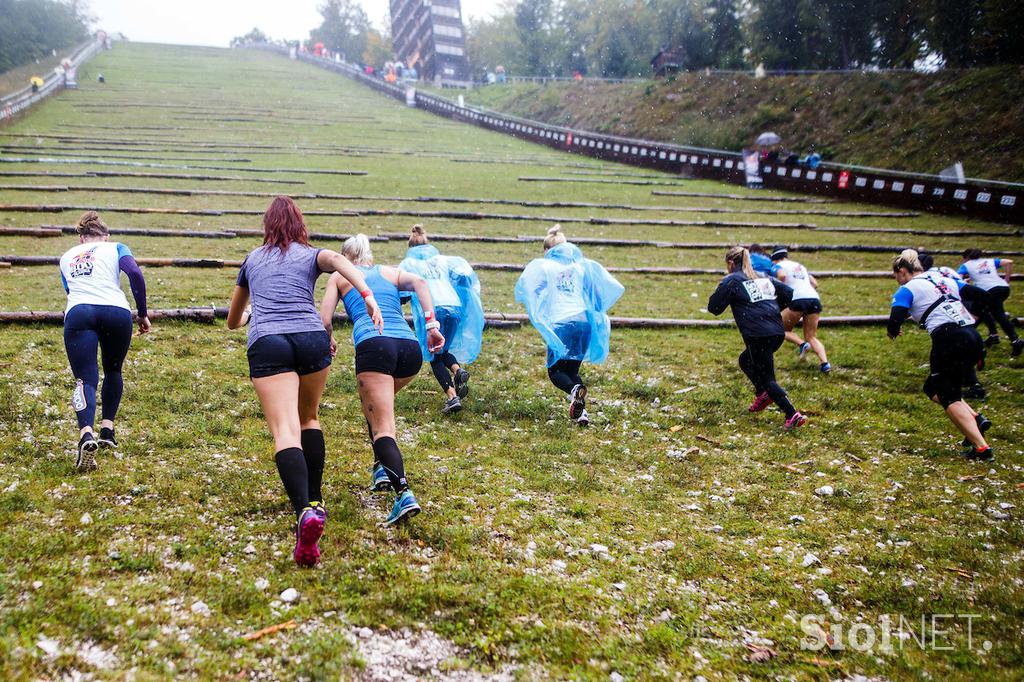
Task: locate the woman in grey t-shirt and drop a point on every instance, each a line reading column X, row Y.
column 289, row 355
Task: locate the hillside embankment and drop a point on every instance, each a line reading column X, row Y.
column 904, row 121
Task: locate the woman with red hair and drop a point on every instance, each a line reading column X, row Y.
column 289, row 355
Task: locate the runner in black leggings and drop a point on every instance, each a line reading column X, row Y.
column 756, row 303
column 98, row 317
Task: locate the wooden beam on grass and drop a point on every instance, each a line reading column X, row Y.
column 530, row 178
column 742, row 197
column 161, row 176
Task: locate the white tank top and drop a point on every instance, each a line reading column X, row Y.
column 92, row 274
column 798, row 279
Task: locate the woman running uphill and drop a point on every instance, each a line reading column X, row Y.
column 97, row 315
column 806, row 305
column 935, row 303
column 756, row 303
column 290, row 355
column 984, row 274
column 455, row 291
column 386, row 361
column 567, row 298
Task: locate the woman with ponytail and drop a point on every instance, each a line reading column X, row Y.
column 98, row 316
column 567, row 298
column 935, row 302
column 756, row 304
column 386, row 360
column 455, row 291
column 290, row 355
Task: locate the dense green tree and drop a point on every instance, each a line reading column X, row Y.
column 344, row 28
column 31, row 29
column 534, row 20
column 726, row 35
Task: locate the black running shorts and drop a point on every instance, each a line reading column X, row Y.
column 806, row 306
column 300, row 352
column 399, row 358
column 955, row 350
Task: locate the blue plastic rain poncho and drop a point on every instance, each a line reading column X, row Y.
column 564, row 287
column 454, row 286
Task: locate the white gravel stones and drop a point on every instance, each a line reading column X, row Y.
column 822, row 596
column 810, row 560
column 825, row 491
column 200, row 609
column 50, row 647
column 290, row 596
column 86, row 519
column 261, row 584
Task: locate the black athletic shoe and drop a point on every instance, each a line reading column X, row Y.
column 87, row 447
column 452, row 405
column 992, row 340
column 462, row 383
column 1018, row 347
column 974, row 454
column 107, row 438
column 975, row 392
column 984, row 424
column 577, row 401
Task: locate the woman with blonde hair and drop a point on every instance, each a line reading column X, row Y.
column 936, row 304
column 455, row 291
column 567, row 298
column 289, row 356
column 756, row 304
column 385, row 360
column 98, row 317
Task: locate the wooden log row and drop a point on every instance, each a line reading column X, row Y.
column 19, row 260
column 211, row 153
column 139, row 164
column 741, row 197
column 477, row 216
column 161, row 176
column 57, row 230
column 494, row 321
column 74, row 155
column 185, row 191
column 529, row 178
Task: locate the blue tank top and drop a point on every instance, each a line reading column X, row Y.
column 386, row 294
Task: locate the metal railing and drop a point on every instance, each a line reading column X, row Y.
column 18, row 101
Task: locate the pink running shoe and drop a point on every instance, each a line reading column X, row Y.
column 307, row 535
column 761, row 402
column 796, row 420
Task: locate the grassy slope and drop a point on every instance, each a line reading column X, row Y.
column 911, row 122
column 702, row 553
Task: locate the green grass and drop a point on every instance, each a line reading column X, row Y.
column 907, row 121
column 692, row 496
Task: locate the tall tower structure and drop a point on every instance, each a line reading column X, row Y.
column 428, row 34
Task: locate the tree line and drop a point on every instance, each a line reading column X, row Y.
column 618, row 38
column 33, row 29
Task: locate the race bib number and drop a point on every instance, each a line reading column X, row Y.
column 760, row 289
column 954, row 311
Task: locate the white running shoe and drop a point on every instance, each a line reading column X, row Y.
column 583, row 419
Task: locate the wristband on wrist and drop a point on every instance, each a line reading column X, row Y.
column 366, row 293
column 428, row 315
column 433, row 325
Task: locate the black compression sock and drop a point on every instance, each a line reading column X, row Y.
column 390, row 457
column 315, row 451
column 291, row 465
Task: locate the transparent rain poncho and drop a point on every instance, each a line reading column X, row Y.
column 455, row 286
column 564, row 288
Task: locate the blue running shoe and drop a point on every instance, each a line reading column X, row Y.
column 380, row 483
column 804, row 347
column 405, row 507
column 826, row 367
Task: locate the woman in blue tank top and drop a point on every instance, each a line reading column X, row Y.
column 386, row 361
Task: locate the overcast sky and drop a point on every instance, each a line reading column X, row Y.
column 215, row 22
